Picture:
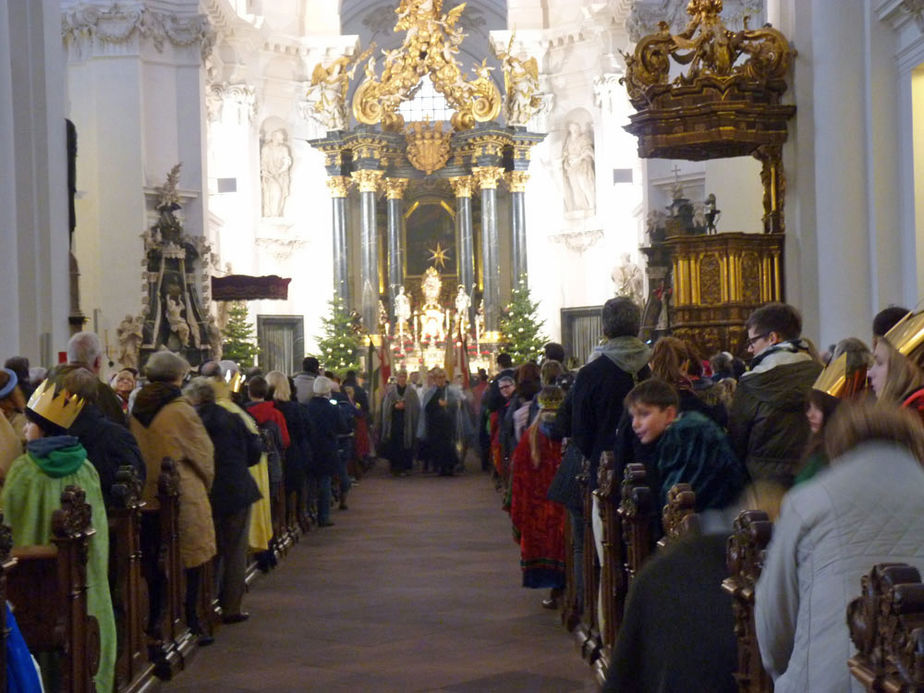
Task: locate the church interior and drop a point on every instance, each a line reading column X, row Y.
column 406, row 170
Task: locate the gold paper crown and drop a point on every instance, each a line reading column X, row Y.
column 235, row 380
column 57, row 407
column 907, row 335
column 844, row 376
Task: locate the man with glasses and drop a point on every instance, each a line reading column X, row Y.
column 766, row 422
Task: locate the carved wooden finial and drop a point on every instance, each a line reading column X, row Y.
column 748, row 543
column 679, row 514
column 126, row 491
column 74, row 517
column 169, row 482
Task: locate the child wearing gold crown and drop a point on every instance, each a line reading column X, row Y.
column 32, row 492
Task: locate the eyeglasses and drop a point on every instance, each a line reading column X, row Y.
column 752, row 340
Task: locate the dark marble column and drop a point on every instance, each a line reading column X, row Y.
column 368, row 181
column 462, row 187
column 486, row 177
column 394, row 193
column 339, row 186
column 516, row 182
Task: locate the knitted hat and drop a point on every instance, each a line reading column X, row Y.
column 8, row 382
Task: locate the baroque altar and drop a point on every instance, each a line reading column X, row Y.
column 476, row 145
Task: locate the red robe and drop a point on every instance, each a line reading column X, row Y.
column 538, row 522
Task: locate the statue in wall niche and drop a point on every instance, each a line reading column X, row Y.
column 627, row 278
column 275, row 163
column 130, row 337
column 577, row 160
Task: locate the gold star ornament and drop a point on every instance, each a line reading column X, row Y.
column 439, row 255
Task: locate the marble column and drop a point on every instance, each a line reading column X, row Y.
column 462, row 188
column 516, row 182
column 486, row 177
column 339, row 186
column 368, row 181
column 394, row 194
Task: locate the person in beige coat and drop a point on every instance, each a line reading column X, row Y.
column 166, row 425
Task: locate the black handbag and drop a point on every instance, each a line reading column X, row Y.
column 565, row 488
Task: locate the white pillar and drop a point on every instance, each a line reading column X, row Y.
column 33, row 182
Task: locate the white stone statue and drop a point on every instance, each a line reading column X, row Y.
column 627, row 278
column 175, row 319
column 275, row 163
column 130, row 338
column 402, row 310
column 577, row 160
column 463, row 303
column 521, row 84
column 214, row 339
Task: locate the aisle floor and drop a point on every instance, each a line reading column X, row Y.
column 415, row 588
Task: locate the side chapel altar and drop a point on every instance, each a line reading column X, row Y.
column 429, row 170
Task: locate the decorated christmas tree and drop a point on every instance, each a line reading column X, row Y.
column 239, row 342
column 342, row 342
column 520, row 327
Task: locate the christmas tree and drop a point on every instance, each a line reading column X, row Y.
column 521, row 329
column 239, row 341
column 341, row 342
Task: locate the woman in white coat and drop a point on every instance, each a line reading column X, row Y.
column 866, row 508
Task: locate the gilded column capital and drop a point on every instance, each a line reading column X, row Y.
column 462, row 186
column 486, row 176
column 368, row 179
column 516, row 180
column 395, row 187
column 338, row 185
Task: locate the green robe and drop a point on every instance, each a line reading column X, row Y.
column 32, row 492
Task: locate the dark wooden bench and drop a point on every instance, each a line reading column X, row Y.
column 746, row 550
column 587, row 633
column 886, row 625
column 48, row 591
column 679, row 516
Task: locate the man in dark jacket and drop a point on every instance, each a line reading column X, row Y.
column 766, row 422
column 84, row 351
column 327, row 423
column 108, row 445
column 233, row 492
column 601, row 386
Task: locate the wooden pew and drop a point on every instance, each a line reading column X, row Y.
column 679, row 515
column 636, row 508
column 612, row 570
column 586, row 633
column 746, row 550
column 887, row 626
column 571, row 607
column 134, row 671
column 48, row 590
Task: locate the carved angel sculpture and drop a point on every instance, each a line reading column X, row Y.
column 521, row 84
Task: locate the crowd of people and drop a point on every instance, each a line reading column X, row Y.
column 829, row 445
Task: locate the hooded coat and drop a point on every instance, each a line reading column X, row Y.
column 766, row 422
column 166, row 425
column 599, row 391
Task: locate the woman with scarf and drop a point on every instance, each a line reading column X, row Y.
column 32, row 492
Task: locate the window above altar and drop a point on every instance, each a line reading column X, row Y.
column 426, row 105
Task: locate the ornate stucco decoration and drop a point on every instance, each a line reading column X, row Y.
column 236, row 102
column 578, row 241
column 122, row 23
column 427, row 146
column 431, row 43
column 646, row 16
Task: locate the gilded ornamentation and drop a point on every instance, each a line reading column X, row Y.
column 712, row 53
column 368, row 180
column 462, row 186
column 516, row 180
column 521, row 86
column 427, row 146
column 395, row 187
column 431, row 43
column 710, row 280
column 328, row 90
column 750, row 278
column 486, row 176
column 339, row 185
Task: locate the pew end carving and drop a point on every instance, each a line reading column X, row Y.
column 586, row 633
column 679, row 516
column 886, row 624
column 612, row 568
column 746, row 551
column 48, row 590
column 636, row 509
